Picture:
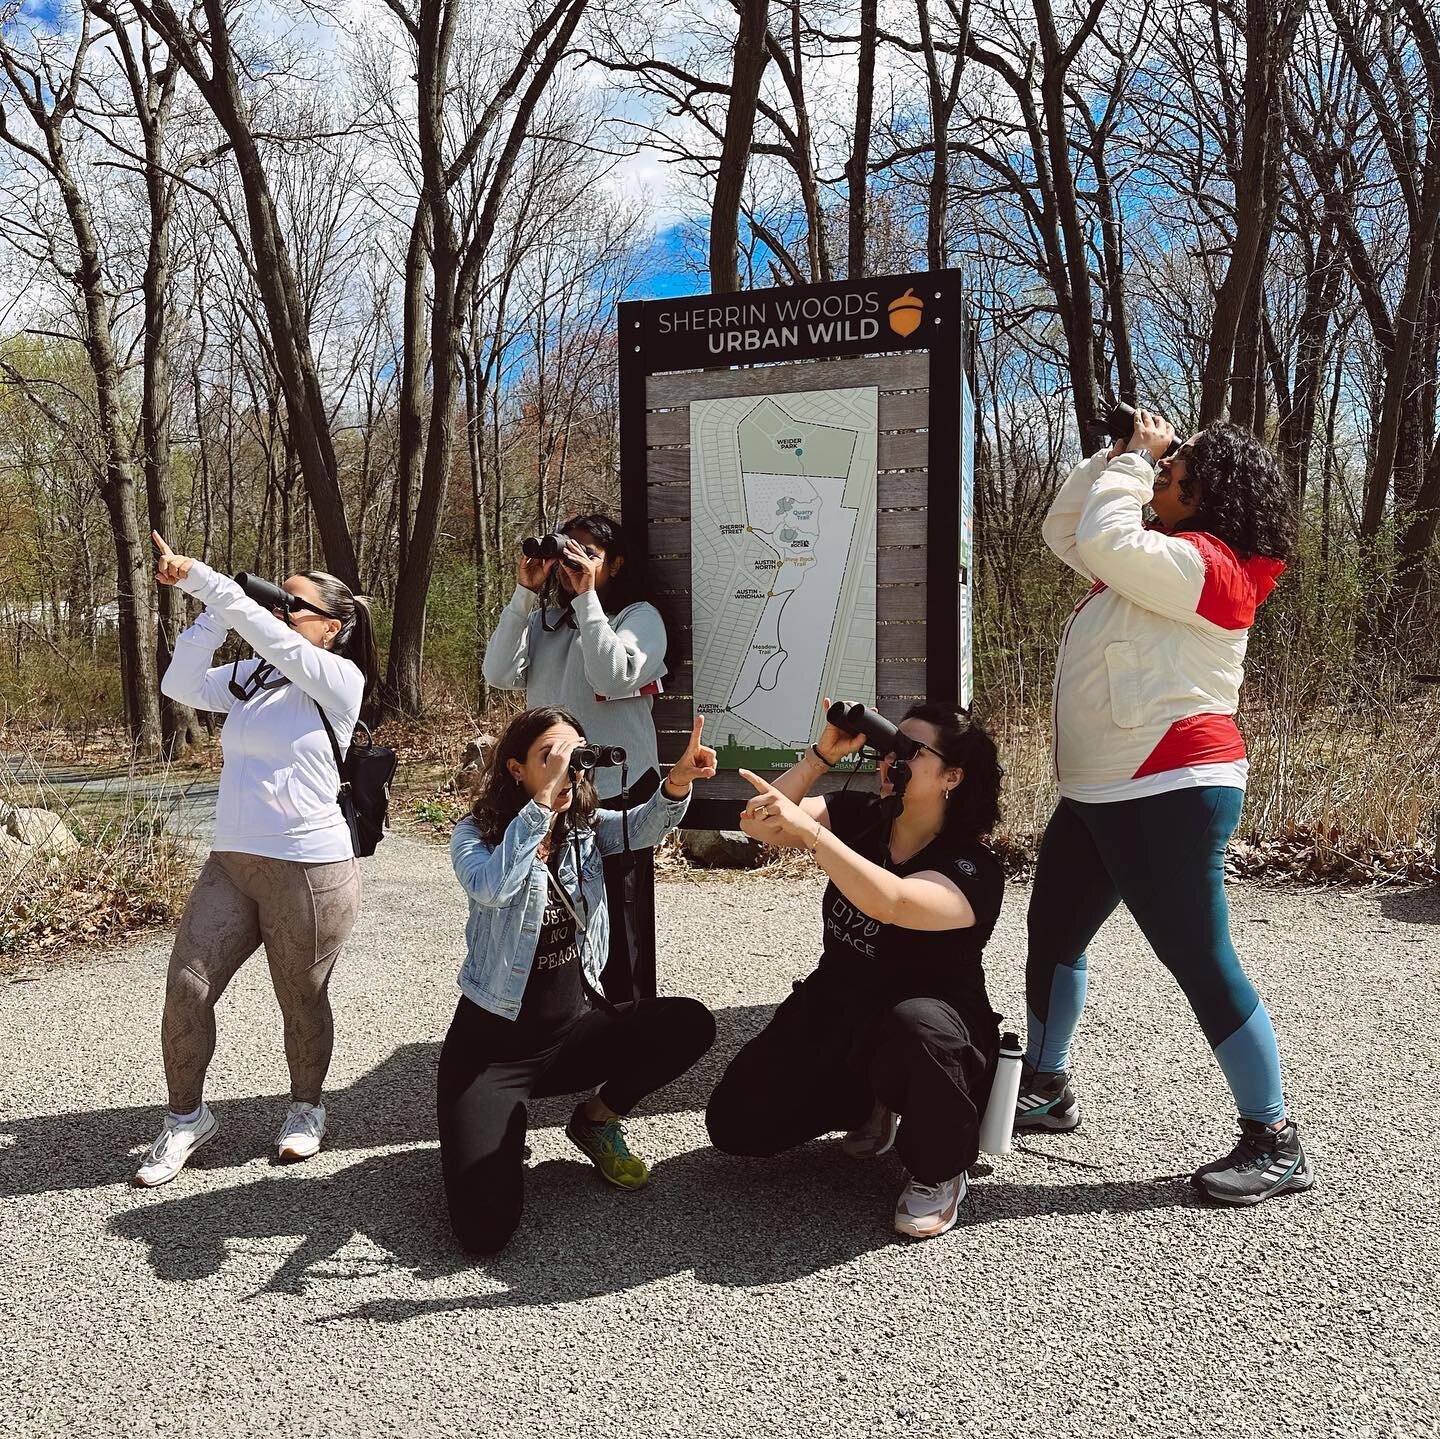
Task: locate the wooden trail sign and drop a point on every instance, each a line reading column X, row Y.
column 799, row 462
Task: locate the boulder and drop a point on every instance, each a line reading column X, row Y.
column 42, row 831
column 473, row 763
column 720, row 848
column 14, row 856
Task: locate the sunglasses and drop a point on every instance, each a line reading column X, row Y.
column 919, row 744
column 299, row 604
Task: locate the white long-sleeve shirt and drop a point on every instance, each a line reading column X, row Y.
column 605, row 671
column 278, row 783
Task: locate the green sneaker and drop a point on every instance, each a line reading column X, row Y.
column 603, row 1143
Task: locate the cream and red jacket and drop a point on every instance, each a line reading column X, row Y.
column 1151, row 662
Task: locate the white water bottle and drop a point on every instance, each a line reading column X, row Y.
column 997, row 1129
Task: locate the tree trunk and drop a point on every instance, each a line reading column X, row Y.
column 747, row 68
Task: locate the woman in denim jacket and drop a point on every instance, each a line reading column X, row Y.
column 531, row 1021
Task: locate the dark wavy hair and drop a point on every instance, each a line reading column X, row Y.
column 1244, row 499
column 502, row 796
column 973, row 809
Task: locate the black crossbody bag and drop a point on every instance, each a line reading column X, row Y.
column 365, row 776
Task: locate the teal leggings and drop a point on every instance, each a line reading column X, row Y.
column 1163, row 857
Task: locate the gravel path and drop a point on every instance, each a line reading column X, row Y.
column 731, row 1297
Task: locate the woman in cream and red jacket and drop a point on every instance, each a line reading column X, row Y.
column 1151, row 767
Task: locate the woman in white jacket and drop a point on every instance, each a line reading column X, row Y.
column 586, row 637
column 282, row 869
column 1151, row 767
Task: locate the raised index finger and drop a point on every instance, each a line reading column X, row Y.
column 159, row 543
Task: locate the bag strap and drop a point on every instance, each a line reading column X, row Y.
column 334, row 746
column 581, row 924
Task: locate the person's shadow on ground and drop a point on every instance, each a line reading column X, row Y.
column 1412, row 906
column 392, row 1105
column 733, row 1222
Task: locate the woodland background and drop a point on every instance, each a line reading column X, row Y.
column 334, row 285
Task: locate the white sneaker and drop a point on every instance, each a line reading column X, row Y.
column 875, row 1137
column 925, row 1210
column 302, row 1131
column 174, row 1145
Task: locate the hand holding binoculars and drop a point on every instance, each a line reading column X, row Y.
column 549, row 547
column 1122, row 426
column 880, row 734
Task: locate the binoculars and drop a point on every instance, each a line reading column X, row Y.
column 595, row 756
column 548, row 547
column 880, row 734
column 1122, row 426
column 267, row 593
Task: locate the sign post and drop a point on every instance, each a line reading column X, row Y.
column 799, row 462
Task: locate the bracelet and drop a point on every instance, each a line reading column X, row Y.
column 819, row 830
column 828, row 763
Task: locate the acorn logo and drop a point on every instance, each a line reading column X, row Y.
column 906, row 313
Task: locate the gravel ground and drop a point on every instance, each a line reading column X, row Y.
column 731, row 1297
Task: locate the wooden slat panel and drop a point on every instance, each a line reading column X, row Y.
column 903, row 677
column 893, row 709
column 885, row 372
column 669, row 494
column 893, row 412
column 676, row 714
column 668, row 502
column 900, row 642
column 898, row 603
column 907, row 450
column 897, row 527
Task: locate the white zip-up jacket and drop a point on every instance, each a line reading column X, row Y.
column 1151, row 662
column 278, row 784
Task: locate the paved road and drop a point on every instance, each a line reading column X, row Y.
column 731, row 1297
column 185, row 799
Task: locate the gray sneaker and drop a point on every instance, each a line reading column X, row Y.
column 1046, row 1101
column 875, row 1137
column 1264, row 1163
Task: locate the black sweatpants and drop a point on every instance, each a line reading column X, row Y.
column 629, row 971
column 826, row 1058
column 487, row 1079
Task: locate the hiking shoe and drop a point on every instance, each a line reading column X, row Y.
column 1047, row 1101
column 1264, row 1163
column 875, row 1137
column 925, row 1210
column 300, row 1135
column 174, row 1145
column 602, row 1142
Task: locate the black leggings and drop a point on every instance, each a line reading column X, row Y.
column 485, row 1086
column 823, row 1061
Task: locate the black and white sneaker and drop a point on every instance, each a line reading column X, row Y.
column 1046, row 1101
column 1264, row 1163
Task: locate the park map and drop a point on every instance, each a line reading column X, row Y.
column 783, row 566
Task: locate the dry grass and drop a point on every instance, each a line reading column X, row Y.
column 129, row 874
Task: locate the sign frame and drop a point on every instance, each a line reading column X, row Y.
column 754, row 329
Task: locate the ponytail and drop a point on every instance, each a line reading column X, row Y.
column 355, row 638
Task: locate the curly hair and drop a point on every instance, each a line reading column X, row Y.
column 502, row 796
column 974, row 809
column 1244, row 499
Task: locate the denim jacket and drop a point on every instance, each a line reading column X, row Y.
column 507, row 883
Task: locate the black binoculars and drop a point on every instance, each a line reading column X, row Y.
column 548, row 547
column 595, row 756
column 880, row 734
column 267, row 593
column 1122, row 426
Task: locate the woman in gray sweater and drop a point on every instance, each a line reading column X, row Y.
column 585, row 636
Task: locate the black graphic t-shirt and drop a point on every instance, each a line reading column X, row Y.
column 888, row 962
column 554, row 995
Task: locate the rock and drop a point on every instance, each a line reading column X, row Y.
column 720, row 848
column 473, row 763
column 13, row 855
column 42, row 831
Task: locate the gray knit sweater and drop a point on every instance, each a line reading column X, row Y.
column 605, row 670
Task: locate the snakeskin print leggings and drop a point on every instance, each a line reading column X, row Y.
column 302, row 913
